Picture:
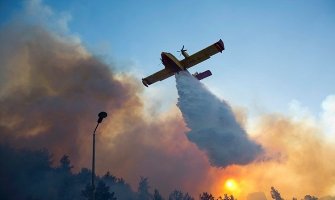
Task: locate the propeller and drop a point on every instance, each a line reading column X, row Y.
column 182, row 50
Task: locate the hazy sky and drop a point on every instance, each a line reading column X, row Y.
column 276, row 51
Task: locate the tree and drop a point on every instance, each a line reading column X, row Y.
column 226, row 197
column 65, row 164
column 143, row 189
column 206, row 196
column 275, row 194
column 178, row 195
column 121, row 189
column 157, row 196
column 101, row 192
column 84, row 176
column 188, row 197
column 110, row 178
column 65, row 179
column 65, row 187
column 309, row 197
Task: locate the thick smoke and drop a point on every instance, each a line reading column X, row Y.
column 51, row 91
column 214, row 128
column 52, row 88
column 306, row 158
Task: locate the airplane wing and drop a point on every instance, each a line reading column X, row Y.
column 158, row 76
column 203, row 55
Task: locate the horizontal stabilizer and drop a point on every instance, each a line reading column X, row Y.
column 202, row 75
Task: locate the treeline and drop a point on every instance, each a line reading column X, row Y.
column 29, row 175
column 276, row 196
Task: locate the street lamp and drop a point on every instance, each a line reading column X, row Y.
column 101, row 116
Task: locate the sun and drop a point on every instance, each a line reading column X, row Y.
column 231, row 185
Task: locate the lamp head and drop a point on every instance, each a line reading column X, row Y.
column 101, row 116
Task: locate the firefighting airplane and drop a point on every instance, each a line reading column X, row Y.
column 173, row 65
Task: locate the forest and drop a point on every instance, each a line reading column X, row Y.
column 31, row 175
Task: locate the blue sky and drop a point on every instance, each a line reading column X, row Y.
column 276, row 51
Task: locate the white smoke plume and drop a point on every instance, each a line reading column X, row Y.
column 214, row 128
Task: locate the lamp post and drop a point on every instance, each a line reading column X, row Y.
column 101, row 116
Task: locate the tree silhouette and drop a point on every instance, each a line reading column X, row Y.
column 143, row 189
column 226, row 197
column 121, row 189
column 65, row 164
column 275, row 194
column 188, row 197
column 23, row 174
column 206, row 196
column 309, row 197
column 178, row 195
column 34, row 171
column 157, row 196
column 101, row 192
column 84, row 176
column 65, row 179
column 110, row 178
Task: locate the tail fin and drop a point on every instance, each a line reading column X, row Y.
column 202, row 75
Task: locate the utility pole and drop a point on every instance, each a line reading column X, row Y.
column 101, row 116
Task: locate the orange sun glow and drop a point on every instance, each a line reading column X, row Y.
column 232, row 187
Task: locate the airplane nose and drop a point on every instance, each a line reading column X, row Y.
column 163, row 57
